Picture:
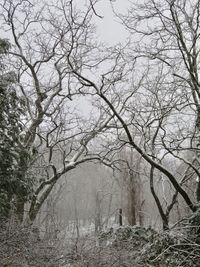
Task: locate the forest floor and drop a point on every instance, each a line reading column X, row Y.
column 121, row 247
column 137, row 247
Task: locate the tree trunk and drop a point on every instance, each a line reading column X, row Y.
column 20, row 209
column 120, row 217
column 198, row 153
column 98, row 219
column 132, row 201
column 163, row 216
column 198, row 191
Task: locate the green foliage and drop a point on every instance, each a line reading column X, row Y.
column 13, row 157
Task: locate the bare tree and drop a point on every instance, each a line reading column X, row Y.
column 165, row 34
column 129, row 180
column 145, row 93
column 169, row 34
column 151, row 89
column 46, row 39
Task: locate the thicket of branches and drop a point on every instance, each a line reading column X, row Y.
column 144, row 98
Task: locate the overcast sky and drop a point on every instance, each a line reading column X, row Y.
column 109, row 28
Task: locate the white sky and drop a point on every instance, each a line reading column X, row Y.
column 108, row 28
